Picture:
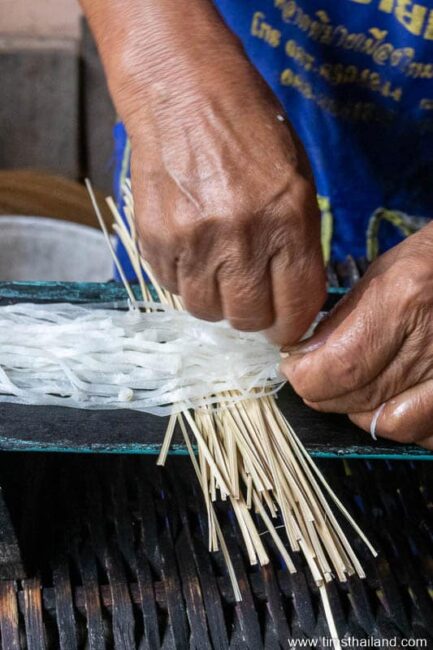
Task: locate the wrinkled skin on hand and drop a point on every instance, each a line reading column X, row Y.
column 226, row 207
column 224, row 197
column 377, row 347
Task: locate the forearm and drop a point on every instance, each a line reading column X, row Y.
column 155, row 52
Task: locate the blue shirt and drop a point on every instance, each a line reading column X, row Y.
column 356, row 80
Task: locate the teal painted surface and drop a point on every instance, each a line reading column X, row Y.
column 152, row 450
column 74, row 292
column 77, row 292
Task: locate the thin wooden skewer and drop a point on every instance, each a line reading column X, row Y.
column 109, row 244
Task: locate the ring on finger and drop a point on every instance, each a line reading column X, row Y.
column 375, row 420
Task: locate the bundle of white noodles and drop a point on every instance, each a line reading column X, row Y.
column 218, row 386
column 160, row 361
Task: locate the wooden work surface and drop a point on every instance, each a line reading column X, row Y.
column 42, row 428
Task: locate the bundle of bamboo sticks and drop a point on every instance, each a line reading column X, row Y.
column 249, row 455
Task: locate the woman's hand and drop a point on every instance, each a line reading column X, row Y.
column 376, row 347
column 226, row 208
column 224, row 197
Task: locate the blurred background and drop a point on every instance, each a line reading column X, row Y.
column 56, row 121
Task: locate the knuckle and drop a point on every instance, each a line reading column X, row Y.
column 346, row 368
column 241, row 325
column 265, row 321
column 408, row 281
column 304, row 195
column 203, row 311
column 255, row 324
column 300, row 382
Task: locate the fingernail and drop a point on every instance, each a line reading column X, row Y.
column 302, row 348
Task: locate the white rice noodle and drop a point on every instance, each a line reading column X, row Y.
column 159, row 360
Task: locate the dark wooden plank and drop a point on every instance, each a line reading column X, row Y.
column 275, row 606
column 270, row 635
column 206, row 602
column 64, row 606
column 147, row 515
column 39, row 109
column 295, row 586
column 35, row 633
column 247, row 622
column 9, row 624
column 135, row 548
column 178, row 631
column 11, row 564
column 192, row 591
column 148, row 601
column 361, row 606
column 121, row 513
column 92, row 600
column 122, row 612
column 211, row 596
column 100, row 513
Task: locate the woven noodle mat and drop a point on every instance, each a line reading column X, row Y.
column 117, row 558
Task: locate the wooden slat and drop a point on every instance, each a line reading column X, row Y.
column 9, row 616
column 121, row 514
column 245, row 610
column 295, row 587
column 275, row 606
column 99, row 510
column 35, row 633
column 173, row 591
column 122, row 612
column 64, row 607
column 147, row 601
column 11, row 564
column 167, row 516
column 195, row 546
column 192, row 591
column 92, row 600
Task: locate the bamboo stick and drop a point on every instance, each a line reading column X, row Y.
column 250, row 454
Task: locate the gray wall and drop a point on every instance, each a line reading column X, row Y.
column 55, row 111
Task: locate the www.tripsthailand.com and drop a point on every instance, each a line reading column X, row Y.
column 353, row 642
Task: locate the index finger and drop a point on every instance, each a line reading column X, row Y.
column 362, row 344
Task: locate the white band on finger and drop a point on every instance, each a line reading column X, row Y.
column 375, row 420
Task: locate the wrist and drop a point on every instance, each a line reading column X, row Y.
column 175, row 79
column 153, row 55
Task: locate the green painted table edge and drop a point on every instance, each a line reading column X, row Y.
column 412, row 453
column 112, row 292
